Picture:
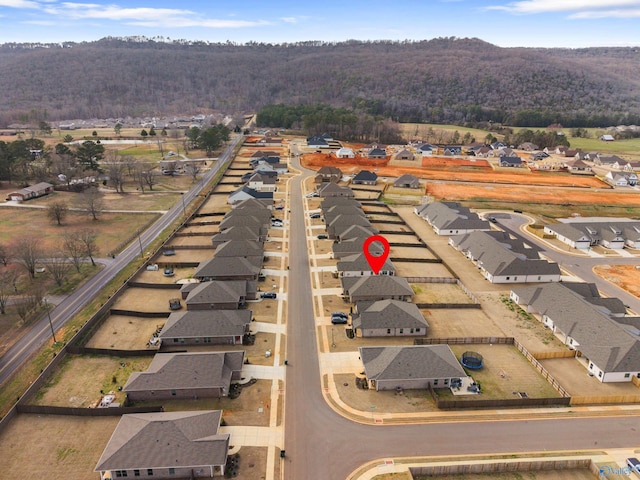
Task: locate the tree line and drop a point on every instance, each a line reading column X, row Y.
column 445, row 80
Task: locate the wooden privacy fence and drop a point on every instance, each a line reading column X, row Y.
column 505, row 466
column 108, row 352
column 543, row 371
column 86, row 412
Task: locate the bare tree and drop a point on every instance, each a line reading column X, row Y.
column 88, row 239
column 116, row 170
column 5, row 290
column 23, row 308
column 27, row 252
column 92, row 200
column 148, row 177
column 75, row 249
column 4, row 254
column 58, row 265
column 193, row 169
column 57, row 211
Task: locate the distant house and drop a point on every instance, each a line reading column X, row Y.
column 616, row 179
column 452, row 150
column 607, row 138
column 38, row 190
column 607, row 160
column 262, row 183
column 578, row 167
column 404, row 154
column 345, row 152
column 257, row 224
column 388, row 318
column 377, row 153
column 245, row 193
column 410, row 368
column 451, row 218
column 510, row 162
column 240, row 248
column 505, row 152
column 217, row 327
column 483, row 152
column 317, row 141
column 334, row 190
column 407, row 181
column 238, row 233
column 186, row 376
column 328, row 174
column 613, row 234
column 376, row 287
column 426, row 149
column 365, row 177
column 229, row 268
column 341, row 223
column 528, row 146
column 264, row 153
column 166, row 444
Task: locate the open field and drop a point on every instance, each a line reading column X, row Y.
column 79, row 380
column 67, row 447
column 123, row 332
column 111, row 228
column 420, row 131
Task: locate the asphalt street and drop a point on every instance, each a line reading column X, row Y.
column 321, row 444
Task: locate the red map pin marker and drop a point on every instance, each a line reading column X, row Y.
column 376, row 262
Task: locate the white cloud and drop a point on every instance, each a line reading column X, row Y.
column 294, row 19
column 583, row 8
column 19, row 4
column 620, row 13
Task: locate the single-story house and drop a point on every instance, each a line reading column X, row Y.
column 365, row 177
column 358, row 266
column 584, row 233
column 407, row 181
column 240, row 248
column 589, row 324
column 216, row 327
column 502, row 259
column 328, row 174
column 245, row 193
column 452, row 150
column 238, row 233
column 263, row 183
column 334, row 190
column 185, row 375
column 377, row 153
column 376, row 287
column 411, row 367
column 405, row 154
column 510, row 162
column 34, row 191
column 317, row 141
column 451, row 218
column 427, row 149
column 166, row 445
column 216, row 295
column 388, row 318
column 345, row 152
column 229, row 268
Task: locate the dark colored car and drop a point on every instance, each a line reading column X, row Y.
column 322, row 236
column 337, row 319
column 339, row 314
column 268, row 295
column 314, row 215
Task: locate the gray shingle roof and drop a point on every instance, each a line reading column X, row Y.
column 413, row 362
column 406, row 179
column 224, row 267
column 388, row 314
column 206, row 323
column 380, row 286
column 165, row 440
column 452, row 216
column 228, row 291
column 240, row 248
column 359, row 263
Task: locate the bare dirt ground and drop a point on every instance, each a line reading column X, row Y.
column 197, row 240
column 158, row 276
column 264, row 310
column 445, row 168
column 414, row 269
column 186, row 256
column 451, row 322
column 125, row 333
column 337, row 335
column 145, row 299
column 67, row 447
column 439, row 293
column 626, row 277
column 215, row 204
column 412, row 252
column 80, row 378
column 574, row 377
column 209, row 230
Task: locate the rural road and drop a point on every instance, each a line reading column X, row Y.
column 40, row 333
column 319, row 443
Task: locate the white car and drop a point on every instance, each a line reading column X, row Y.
column 312, row 195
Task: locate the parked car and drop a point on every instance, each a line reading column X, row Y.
column 268, row 295
column 169, row 252
column 277, row 223
column 314, row 215
column 152, row 267
column 280, row 207
column 493, row 220
column 339, row 314
column 312, row 195
column 174, row 304
column 338, row 320
column 634, row 464
column 322, row 236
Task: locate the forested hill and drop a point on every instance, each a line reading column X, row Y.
column 440, row 80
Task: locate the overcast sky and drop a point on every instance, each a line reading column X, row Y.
column 528, row 23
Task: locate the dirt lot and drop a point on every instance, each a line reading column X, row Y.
column 198, row 240
column 80, row 378
column 186, row 256
column 125, row 333
column 337, row 335
column 145, row 299
column 626, row 277
column 215, row 204
column 439, row 293
column 414, row 269
column 64, row 447
column 158, row 276
column 574, row 377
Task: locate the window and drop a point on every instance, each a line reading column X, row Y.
column 411, row 331
column 173, row 392
column 435, row 382
column 172, row 471
column 508, row 278
column 207, row 339
column 515, row 279
column 175, row 340
column 539, row 277
column 600, row 374
column 446, row 381
column 627, row 375
column 418, row 330
column 402, row 330
column 388, row 331
column 150, row 472
column 136, row 473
